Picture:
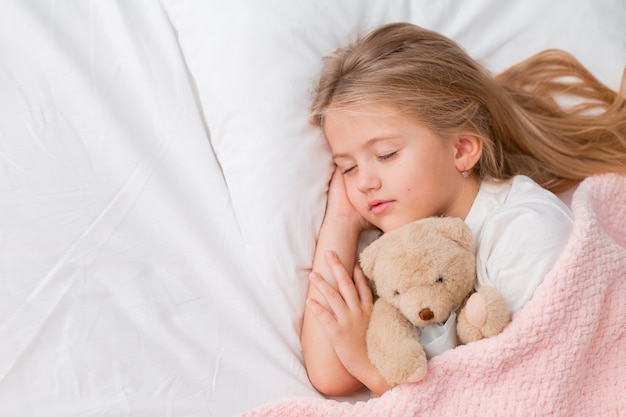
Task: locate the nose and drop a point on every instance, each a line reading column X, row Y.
column 426, row 314
column 367, row 180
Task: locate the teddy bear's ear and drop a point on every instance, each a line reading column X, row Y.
column 457, row 230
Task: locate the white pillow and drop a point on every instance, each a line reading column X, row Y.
column 255, row 63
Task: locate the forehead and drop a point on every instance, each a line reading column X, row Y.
column 363, row 122
column 348, row 128
column 353, row 116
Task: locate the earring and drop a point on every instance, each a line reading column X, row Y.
column 465, row 173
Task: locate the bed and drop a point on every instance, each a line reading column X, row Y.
column 161, row 192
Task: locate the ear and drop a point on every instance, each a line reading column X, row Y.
column 456, row 229
column 469, row 148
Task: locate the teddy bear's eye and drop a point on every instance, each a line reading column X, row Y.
column 396, row 292
column 439, row 280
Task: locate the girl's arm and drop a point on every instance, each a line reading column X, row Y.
column 338, row 308
column 344, row 321
column 325, row 370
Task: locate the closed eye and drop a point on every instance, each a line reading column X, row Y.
column 387, row 156
column 347, row 170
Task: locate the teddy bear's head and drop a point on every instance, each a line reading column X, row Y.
column 425, row 268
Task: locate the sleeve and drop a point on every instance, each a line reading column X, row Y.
column 519, row 245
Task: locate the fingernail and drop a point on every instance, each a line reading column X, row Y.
column 330, row 254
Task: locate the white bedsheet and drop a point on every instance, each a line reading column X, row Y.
column 160, row 188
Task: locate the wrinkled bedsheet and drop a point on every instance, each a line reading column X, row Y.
column 161, row 189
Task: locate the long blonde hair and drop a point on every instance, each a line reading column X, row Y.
column 520, row 115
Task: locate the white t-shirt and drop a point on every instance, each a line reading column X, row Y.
column 519, row 230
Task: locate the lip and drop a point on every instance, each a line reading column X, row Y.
column 380, row 206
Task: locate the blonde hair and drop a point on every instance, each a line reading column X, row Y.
column 518, row 116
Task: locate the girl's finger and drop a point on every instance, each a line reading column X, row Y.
column 327, row 320
column 345, row 284
column 335, row 301
column 362, row 286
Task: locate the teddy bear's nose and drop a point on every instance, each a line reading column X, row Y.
column 426, row 314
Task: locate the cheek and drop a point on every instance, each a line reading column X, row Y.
column 407, row 187
column 404, row 179
column 355, row 197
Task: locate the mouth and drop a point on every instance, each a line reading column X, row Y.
column 379, row 206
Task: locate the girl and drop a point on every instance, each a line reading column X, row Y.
column 417, row 129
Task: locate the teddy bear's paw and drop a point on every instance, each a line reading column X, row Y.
column 418, row 374
column 476, row 310
column 485, row 314
column 497, row 312
column 467, row 332
column 403, row 365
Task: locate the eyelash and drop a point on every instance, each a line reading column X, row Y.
column 387, row 156
column 380, row 158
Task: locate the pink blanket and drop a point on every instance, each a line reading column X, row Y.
column 564, row 354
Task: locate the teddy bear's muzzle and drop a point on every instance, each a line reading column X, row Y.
column 426, row 314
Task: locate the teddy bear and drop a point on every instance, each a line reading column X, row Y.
column 422, row 274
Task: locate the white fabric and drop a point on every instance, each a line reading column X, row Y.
column 436, row 338
column 161, row 190
column 519, row 230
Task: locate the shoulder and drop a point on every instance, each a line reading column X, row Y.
column 521, row 212
column 521, row 230
column 521, row 202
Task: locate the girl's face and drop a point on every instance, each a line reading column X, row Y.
column 396, row 170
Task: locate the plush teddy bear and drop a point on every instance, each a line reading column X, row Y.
column 422, row 274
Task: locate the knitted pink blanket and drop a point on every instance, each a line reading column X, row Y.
column 564, row 354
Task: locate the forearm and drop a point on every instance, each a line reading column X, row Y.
column 340, row 236
column 324, row 368
column 326, row 371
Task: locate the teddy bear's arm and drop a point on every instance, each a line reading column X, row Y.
column 485, row 314
column 393, row 345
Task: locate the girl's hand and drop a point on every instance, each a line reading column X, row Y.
column 338, row 308
column 338, row 206
column 346, row 315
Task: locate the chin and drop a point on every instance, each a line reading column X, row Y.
column 387, row 227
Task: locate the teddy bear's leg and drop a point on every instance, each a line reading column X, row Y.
column 485, row 314
column 393, row 345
